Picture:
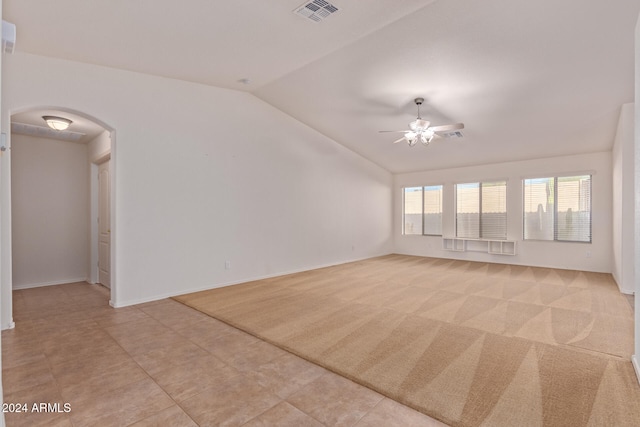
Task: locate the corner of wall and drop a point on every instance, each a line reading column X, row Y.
column 3, row 240
column 636, row 197
column 622, row 207
column 636, row 366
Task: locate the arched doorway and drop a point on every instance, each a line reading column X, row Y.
column 56, row 199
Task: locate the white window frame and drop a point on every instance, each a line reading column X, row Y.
column 555, row 207
column 481, row 235
column 422, row 215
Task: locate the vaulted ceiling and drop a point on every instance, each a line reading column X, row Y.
column 528, row 79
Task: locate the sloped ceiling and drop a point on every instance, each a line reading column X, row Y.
column 528, row 79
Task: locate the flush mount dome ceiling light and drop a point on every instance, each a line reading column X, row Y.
column 57, row 123
column 421, row 130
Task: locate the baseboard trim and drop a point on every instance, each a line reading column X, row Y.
column 120, row 304
column 10, row 325
column 621, row 288
column 52, row 283
column 636, row 366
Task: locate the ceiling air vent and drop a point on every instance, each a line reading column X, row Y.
column 46, row 132
column 315, row 10
column 454, row 134
column 8, row 37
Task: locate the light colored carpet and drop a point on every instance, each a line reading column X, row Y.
column 467, row 343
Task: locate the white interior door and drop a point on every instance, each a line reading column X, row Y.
column 104, row 224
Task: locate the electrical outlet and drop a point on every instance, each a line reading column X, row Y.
column 227, row 265
column 588, row 254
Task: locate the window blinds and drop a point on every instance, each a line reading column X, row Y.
column 468, row 210
column 481, row 210
column 432, row 210
column 423, row 210
column 558, row 208
column 412, row 210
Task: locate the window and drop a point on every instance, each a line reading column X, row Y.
column 558, row 208
column 432, row 210
column 481, row 210
column 412, row 210
column 423, row 210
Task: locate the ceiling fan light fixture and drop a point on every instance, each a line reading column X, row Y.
column 426, row 137
column 421, row 129
column 412, row 138
column 57, row 123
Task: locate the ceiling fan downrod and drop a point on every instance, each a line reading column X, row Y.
column 419, row 102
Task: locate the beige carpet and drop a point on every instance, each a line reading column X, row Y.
column 467, row 343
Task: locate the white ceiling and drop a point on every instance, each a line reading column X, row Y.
column 529, row 79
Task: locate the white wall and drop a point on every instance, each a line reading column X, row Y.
column 622, row 153
column 99, row 146
column 6, row 319
column 636, row 161
column 205, row 175
column 50, row 211
column 534, row 253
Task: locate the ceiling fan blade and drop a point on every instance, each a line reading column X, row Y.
column 384, row 131
column 445, row 128
column 399, row 140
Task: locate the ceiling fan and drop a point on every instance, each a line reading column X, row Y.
column 420, row 129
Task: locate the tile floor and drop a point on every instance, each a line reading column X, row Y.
column 164, row 364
